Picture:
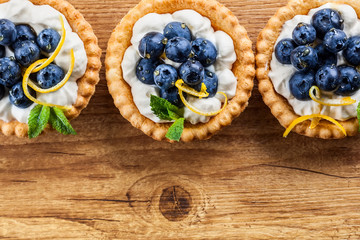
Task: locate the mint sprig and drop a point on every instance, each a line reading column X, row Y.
column 40, row 116
column 167, row 111
column 358, row 114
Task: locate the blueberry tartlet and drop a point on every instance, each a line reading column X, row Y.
column 308, row 62
column 180, row 71
column 49, row 66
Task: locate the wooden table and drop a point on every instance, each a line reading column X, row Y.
column 113, row 182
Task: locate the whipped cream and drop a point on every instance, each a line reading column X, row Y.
column 201, row 28
column 40, row 17
column 280, row 74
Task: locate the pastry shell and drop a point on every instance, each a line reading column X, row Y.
column 279, row 106
column 221, row 19
column 86, row 84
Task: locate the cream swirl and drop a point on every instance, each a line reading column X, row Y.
column 200, row 27
column 280, row 74
column 40, row 17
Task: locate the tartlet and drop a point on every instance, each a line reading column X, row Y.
column 221, row 19
column 86, row 84
column 279, row 105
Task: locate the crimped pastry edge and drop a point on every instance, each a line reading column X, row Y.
column 221, row 18
column 279, row 106
column 86, row 84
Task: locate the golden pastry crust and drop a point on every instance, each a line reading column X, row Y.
column 86, row 84
column 243, row 68
column 279, row 106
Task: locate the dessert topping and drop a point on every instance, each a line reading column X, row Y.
column 48, row 39
column 185, row 88
column 57, row 50
column 177, row 29
column 316, row 96
column 7, row 32
column 178, row 49
column 165, row 76
column 197, row 111
column 307, row 117
column 204, row 51
column 283, row 50
column 59, row 84
column 167, row 111
column 41, row 115
column 192, row 72
column 151, row 45
column 25, row 83
column 326, row 19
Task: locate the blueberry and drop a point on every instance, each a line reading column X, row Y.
column 178, row 49
column 352, row 51
column 324, row 56
column 2, row 91
column 152, row 45
column 145, row 70
column 172, row 95
column 10, row 72
column 211, row 82
column 165, row 76
column 326, row 19
column 204, row 51
column 24, row 32
column 192, row 72
column 304, row 34
column 283, row 50
column 48, row 39
column 27, row 53
column 50, row 76
column 349, row 81
column 177, row 29
column 300, row 84
column 2, row 51
column 304, row 58
column 327, row 78
column 335, row 40
column 7, row 32
column 17, row 96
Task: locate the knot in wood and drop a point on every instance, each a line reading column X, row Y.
column 175, row 203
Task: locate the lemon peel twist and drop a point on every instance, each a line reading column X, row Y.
column 307, row 117
column 62, row 82
column 197, row 111
column 57, row 50
column 183, row 87
column 25, row 83
column 43, row 63
column 203, row 93
column 315, row 95
column 314, row 123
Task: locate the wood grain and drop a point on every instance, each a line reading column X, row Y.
column 113, row 182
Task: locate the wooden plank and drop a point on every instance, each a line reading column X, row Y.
column 113, row 182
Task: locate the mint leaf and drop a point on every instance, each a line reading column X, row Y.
column 175, row 131
column 59, row 122
column 358, row 115
column 164, row 109
column 173, row 115
column 38, row 118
